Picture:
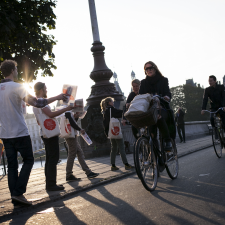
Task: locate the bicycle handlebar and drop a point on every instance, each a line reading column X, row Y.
column 213, row 112
column 160, row 98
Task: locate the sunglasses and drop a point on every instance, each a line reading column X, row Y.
column 149, row 68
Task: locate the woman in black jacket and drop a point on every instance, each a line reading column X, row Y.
column 135, row 87
column 107, row 104
column 155, row 83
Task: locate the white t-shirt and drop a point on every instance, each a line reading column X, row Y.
column 11, row 114
column 36, row 112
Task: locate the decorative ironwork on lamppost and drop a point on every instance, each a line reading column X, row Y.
column 101, row 74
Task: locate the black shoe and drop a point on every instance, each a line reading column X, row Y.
column 72, row 178
column 168, row 146
column 55, row 188
column 181, row 141
column 184, row 141
column 92, row 175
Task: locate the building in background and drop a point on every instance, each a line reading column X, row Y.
column 191, row 82
column 118, row 105
column 33, row 128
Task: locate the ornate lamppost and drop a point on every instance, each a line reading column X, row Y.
column 101, row 74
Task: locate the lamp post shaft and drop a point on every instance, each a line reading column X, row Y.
column 94, row 21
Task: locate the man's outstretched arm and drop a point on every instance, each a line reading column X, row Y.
column 42, row 102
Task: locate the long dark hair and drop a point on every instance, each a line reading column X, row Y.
column 156, row 68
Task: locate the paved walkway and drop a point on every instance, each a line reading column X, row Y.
column 36, row 187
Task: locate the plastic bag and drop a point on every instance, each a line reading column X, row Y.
column 139, row 105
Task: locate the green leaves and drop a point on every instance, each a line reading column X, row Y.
column 190, row 99
column 23, row 26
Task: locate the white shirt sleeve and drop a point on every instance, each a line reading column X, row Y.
column 21, row 91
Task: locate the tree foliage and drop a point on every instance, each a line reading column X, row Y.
column 23, row 27
column 190, row 99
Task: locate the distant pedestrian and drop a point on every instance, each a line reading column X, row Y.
column 14, row 132
column 75, row 149
column 136, row 87
column 179, row 120
column 107, row 104
column 52, row 143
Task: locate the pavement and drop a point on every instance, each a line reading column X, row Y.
column 36, row 186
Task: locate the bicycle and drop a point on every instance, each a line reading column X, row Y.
column 148, row 154
column 217, row 134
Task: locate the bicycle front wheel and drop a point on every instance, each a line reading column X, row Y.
column 217, row 142
column 145, row 163
column 172, row 166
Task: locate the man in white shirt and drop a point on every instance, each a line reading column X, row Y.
column 14, row 132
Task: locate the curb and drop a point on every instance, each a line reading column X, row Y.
column 63, row 195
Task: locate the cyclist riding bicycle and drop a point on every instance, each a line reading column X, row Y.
column 216, row 94
column 155, row 83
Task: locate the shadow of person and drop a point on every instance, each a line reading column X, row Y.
column 67, row 216
column 114, row 207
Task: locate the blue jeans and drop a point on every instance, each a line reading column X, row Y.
column 18, row 183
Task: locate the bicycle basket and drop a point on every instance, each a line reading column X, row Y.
column 148, row 118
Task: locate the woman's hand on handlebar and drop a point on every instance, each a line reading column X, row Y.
column 166, row 98
column 202, row 112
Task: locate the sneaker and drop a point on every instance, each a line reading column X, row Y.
column 72, row 178
column 168, row 146
column 113, row 168
column 128, row 167
column 55, row 188
column 92, row 175
column 181, row 141
column 21, row 199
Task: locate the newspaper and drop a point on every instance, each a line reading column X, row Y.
column 79, row 105
column 70, row 91
column 86, row 138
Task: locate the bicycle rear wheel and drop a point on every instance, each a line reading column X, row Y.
column 172, row 166
column 145, row 163
column 217, row 142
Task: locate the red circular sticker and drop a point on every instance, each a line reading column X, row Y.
column 69, row 128
column 115, row 131
column 49, row 124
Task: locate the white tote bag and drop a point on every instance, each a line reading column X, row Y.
column 66, row 130
column 49, row 126
column 115, row 131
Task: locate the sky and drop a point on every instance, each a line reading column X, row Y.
column 185, row 39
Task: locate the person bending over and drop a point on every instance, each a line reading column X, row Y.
column 75, row 149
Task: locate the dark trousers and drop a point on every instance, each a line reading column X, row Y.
column 162, row 125
column 222, row 116
column 18, row 183
column 135, row 132
column 52, row 158
column 180, row 128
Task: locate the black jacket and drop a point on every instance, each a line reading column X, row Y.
column 161, row 87
column 116, row 113
column 179, row 118
column 216, row 96
column 130, row 97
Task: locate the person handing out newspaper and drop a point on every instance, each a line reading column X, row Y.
column 74, row 149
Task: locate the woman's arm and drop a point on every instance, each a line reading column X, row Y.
column 51, row 114
column 72, row 122
column 166, row 89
